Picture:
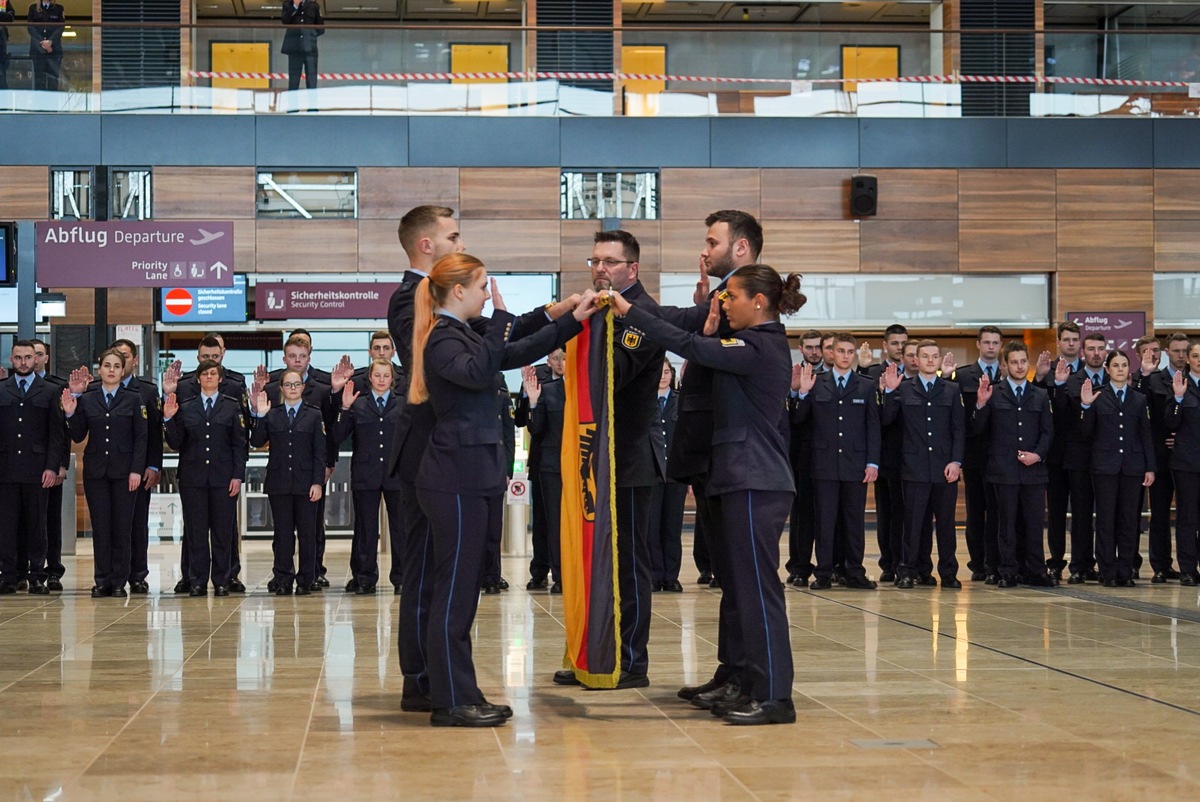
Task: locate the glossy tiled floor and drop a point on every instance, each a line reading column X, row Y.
column 921, row 694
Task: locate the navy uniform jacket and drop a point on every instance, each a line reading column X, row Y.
column 230, row 375
column 752, row 374
column 31, row 430
column 1183, row 418
column 1159, row 393
column 1068, row 408
column 322, row 376
column 152, row 400
column 213, row 449
column 845, row 426
column 466, row 452
column 298, row 41
column 967, row 377
column 1011, row 428
column 933, row 426
column 362, row 381
column 891, row 435
column 116, row 436
column 545, row 423
column 1119, row 433
column 234, row 385
column 318, row 395
column 663, row 433
column 372, row 434
column 6, row 15
column 1058, row 447
column 40, row 28
column 637, row 366
column 59, row 384
column 297, row 453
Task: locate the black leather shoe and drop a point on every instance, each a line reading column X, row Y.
column 54, row 583
column 655, row 587
column 1159, row 578
column 467, row 716
column 491, row 590
column 838, row 579
column 1187, row 580
column 183, row 586
column 690, row 692
column 927, row 581
column 316, row 587
column 726, row 693
column 626, row 682
column 791, row 580
column 821, row 583
column 119, row 593
column 397, row 590
column 721, row 708
column 198, row 591
column 322, row 582
column 23, row 584
column 801, row 582
column 672, row 586
column 364, row 590
column 282, row 590
column 1043, row 581
column 1076, row 579
column 860, row 583
column 536, row 584
column 1006, row 583
column 38, row 588
column 503, row 583
column 235, row 586
column 566, row 677
column 1091, row 575
column 1056, row 575
column 978, row 576
column 991, row 579
column 1110, row 583
column 221, row 590
column 98, row 591
column 415, row 704
column 303, row 590
column 352, row 586
column 887, row 576
column 716, row 583
column 1128, row 583
column 139, row 587
column 781, row 711
column 503, row 710
column 951, row 582
column 904, row 583
column 556, row 589
column 1171, row 573
column 704, row 579
column 272, row 585
column 8, row 588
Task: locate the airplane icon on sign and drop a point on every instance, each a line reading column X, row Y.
column 207, row 237
column 218, row 268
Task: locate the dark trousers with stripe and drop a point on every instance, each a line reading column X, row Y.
column 666, row 531
column 1187, row 518
column 111, row 506
column 22, row 532
column 1118, row 514
column 209, row 513
column 633, row 550
column 547, row 522
column 418, row 593
column 1020, row 510
column 364, row 548
column 701, row 554
column 294, row 515
column 460, row 526
column 751, row 524
column 921, row 501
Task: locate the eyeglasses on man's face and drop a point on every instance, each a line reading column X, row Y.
column 609, row 263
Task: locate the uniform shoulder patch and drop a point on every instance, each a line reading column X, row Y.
column 144, row 414
column 732, row 342
column 631, row 339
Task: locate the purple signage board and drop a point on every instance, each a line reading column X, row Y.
column 146, row 253
column 281, row 300
column 1121, row 329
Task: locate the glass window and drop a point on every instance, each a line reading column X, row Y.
column 600, row 195
column 71, row 193
column 1177, row 300
column 307, row 194
column 130, row 194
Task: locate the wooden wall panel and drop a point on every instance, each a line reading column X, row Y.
column 649, row 237
column 81, row 307
column 805, row 194
column 386, row 193
column 307, row 246
column 515, row 246
column 203, row 193
column 694, row 194
column 909, row 246
column 1116, row 245
column 1105, row 194
column 245, row 245
column 681, row 246
column 917, row 194
column 1177, row 194
column 25, row 194
column 1176, row 246
column 379, row 249
column 508, row 193
column 1083, row 291
column 130, row 306
column 1006, row 246
column 811, row 246
column 575, row 246
column 1006, row 194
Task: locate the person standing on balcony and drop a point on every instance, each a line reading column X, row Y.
column 6, row 15
column 46, row 21
column 300, row 42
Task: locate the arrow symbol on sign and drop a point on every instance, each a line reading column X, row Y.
column 217, row 267
column 206, row 237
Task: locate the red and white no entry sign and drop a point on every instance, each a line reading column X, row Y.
column 178, row 301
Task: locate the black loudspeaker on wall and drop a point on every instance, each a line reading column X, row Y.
column 864, row 195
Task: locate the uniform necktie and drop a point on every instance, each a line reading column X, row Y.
column 21, row 383
column 928, row 387
column 208, row 404
column 1121, row 397
column 108, row 397
column 991, row 372
column 1096, row 381
column 291, row 416
column 1020, row 390
column 841, row 383
column 662, row 405
column 379, row 402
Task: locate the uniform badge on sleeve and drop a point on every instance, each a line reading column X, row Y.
column 631, row 339
column 144, row 415
column 732, row 342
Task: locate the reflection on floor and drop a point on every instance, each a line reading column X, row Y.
column 921, row 694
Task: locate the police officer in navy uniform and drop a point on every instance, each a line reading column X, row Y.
column 113, row 420
column 1182, row 416
column 31, row 442
column 295, row 433
column 381, row 347
column 889, row 487
column 369, row 419
column 668, row 497
column 461, row 477
column 55, row 570
column 750, row 472
column 319, row 374
column 844, row 409
column 801, row 528
column 540, row 409
column 930, row 411
column 139, row 565
column 212, row 349
column 1058, row 490
column 1159, row 394
column 493, row 581
column 1116, row 419
column 1017, row 418
column 209, row 432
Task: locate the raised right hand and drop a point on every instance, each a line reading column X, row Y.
column 984, row 394
column 1062, row 371
column 80, row 378
column 1043, row 365
column 262, row 404
column 803, row 383
column 1179, row 384
column 349, row 396
column 170, row 406
column 171, row 377
column 69, row 402
column 1087, row 393
column 713, row 321
column 865, row 355
column 891, row 377
column 701, row 293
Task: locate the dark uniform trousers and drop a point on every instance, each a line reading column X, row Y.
column 667, row 500
column 921, row 499
column 31, row 442
column 418, row 592
column 801, row 531
column 1020, row 510
column 633, row 549
column 372, row 430
column 209, row 512
column 544, row 423
column 1183, row 418
column 1058, row 489
column 547, row 526
column 116, row 448
column 839, row 507
column 1157, row 387
column 296, row 463
column 1077, row 458
column 978, row 494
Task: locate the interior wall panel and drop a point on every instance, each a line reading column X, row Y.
column 909, row 246
column 386, row 193
column 695, row 194
column 1006, row 194
column 307, row 246
column 514, row 246
column 1105, row 194
column 203, row 193
column 25, row 193
column 1111, row 245
column 805, row 194
column 509, row 193
column 1007, row 246
column 811, row 246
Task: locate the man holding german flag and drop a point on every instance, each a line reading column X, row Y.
column 608, row 474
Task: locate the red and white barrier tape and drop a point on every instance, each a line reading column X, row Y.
column 626, row 76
